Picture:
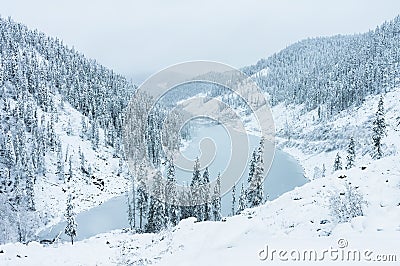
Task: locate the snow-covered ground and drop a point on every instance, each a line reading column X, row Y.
column 315, row 144
column 298, row 221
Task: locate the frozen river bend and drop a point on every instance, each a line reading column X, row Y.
column 285, row 174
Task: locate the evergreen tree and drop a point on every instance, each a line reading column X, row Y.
column 216, row 202
column 69, row 130
column 142, row 195
column 252, row 166
column 185, row 201
column 196, row 208
column 81, row 159
column 117, row 146
column 20, row 143
column 30, row 193
column 205, row 195
column 60, row 162
column 131, row 198
column 351, row 154
column 70, row 229
column 70, row 172
column 82, row 166
column 337, row 165
column 120, row 166
column 84, row 129
column 67, row 154
column 51, row 134
column 10, row 157
column 242, row 201
column 156, row 219
column 18, row 195
column 95, row 137
column 378, row 130
column 171, row 203
column 133, row 203
column 17, row 180
column 131, row 212
column 255, row 192
column 40, row 152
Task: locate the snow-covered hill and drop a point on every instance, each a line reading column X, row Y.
column 299, row 220
column 315, row 143
column 60, row 131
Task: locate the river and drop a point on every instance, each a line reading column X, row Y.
column 284, row 175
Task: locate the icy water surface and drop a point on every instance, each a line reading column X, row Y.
column 285, row 174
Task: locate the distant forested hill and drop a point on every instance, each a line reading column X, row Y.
column 332, row 73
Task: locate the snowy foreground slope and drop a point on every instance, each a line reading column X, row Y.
column 296, row 222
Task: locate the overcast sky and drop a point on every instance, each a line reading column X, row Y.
column 137, row 38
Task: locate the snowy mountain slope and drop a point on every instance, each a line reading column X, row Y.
column 60, row 129
column 315, row 143
column 300, row 219
column 332, row 73
column 107, row 179
column 97, row 174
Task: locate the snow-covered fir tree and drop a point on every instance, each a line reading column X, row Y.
column 171, row 200
column 60, row 162
column 131, row 200
column 142, row 194
column 9, row 156
column 84, row 129
column 131, row 214
column 216, row 200
column 69, row 129
column 351, row 154
column 378, row 130
column 95, row 135
column 121, row 166
column 156, row 215
column 30, row 192
column 233, row 202
column 255, row 191
column 337, row 164
column 70, row 171
column 196, row 206
column 252, row 166
column 242, row 200
column 205, row 195
column 70, row 229
column 185, row 199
